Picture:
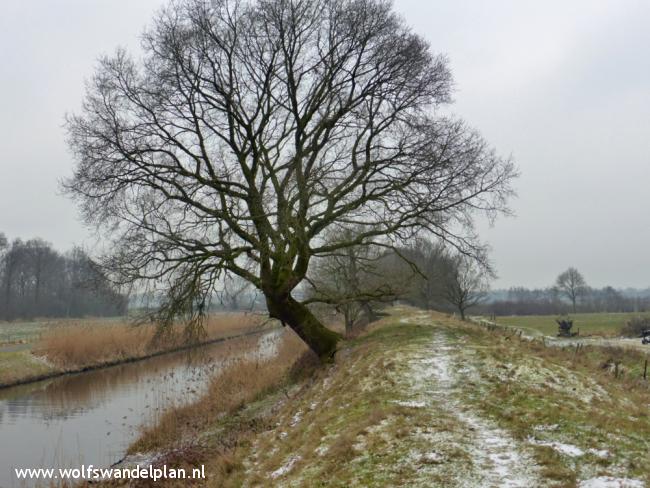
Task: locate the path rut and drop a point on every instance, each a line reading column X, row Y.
column 498, row 460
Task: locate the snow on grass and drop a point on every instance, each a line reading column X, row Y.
column 286, row 467
column 609, row 482
column 295, row 420
column 497, row 458
column 601, row 453
column 566, row 449
column 410, row 404
column 569, row 449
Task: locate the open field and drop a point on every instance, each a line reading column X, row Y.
column 425, row 400
column 32, row 331
column 21, row 332
column 607, row 324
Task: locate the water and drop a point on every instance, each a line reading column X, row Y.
column 91, row 418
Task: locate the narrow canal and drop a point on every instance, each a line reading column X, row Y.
column 91, row 418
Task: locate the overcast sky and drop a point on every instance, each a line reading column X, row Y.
column 563, row 87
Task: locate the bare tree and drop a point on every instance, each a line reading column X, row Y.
column 234, row 291
column 430, row 260
column 572, row 285
column 466, row 283
column 354, row 280
column 251, row 128
column 38, row 281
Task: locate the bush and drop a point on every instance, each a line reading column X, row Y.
column 634, row 327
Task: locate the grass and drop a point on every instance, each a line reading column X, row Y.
column 22, row 332
column 356, row 422
column 608, row 324
column 524, row 385
column 17, row 365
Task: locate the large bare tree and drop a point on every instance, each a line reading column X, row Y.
column 250, row 128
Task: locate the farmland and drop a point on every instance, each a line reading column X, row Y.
column 601, row 324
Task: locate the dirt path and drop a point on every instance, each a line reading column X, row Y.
column 426, row 401
column 498, row 460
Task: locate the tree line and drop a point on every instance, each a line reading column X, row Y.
column 357, row 282
column 569, row 294
column 38, row 281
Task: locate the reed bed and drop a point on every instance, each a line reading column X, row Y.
column 88, row 343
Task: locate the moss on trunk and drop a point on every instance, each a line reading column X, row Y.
column 319, row 338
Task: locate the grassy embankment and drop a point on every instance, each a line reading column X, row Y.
column 73, row 345
column 421, row 400
column 603, row 324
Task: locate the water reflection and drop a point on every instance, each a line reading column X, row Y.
column 92, row 417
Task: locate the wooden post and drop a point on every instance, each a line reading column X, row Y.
column 645, row 370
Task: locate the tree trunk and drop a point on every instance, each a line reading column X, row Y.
column 290, row 312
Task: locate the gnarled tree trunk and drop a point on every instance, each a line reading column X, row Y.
column 290, row 312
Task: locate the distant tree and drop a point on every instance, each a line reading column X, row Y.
column 251, row 128
column 234, row 293
column 430, row 261
column 353, row 280
column 466, row 283
column 571, row 284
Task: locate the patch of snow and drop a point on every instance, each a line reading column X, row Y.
column 283, row 435
column 432, row 457
column 601, row 453
column 139, row 460
column 295, row 420
column 321, row 450
column 566, row 449
column 284, row 469
column 609, row 482
column 411, row 404
column 313, row 406
column 546, row 428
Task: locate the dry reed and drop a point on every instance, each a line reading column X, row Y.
column 83, row 344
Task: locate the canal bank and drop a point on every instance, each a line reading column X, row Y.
column 54, row 372
column 93, row 417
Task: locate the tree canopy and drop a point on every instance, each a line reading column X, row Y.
column 251, row 128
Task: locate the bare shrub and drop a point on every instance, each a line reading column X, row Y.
column 635, row 326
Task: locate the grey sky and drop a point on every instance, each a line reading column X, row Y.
column 562, row 86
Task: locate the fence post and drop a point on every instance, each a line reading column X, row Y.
column 645, row 370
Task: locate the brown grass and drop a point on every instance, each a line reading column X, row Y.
column 85, row 343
